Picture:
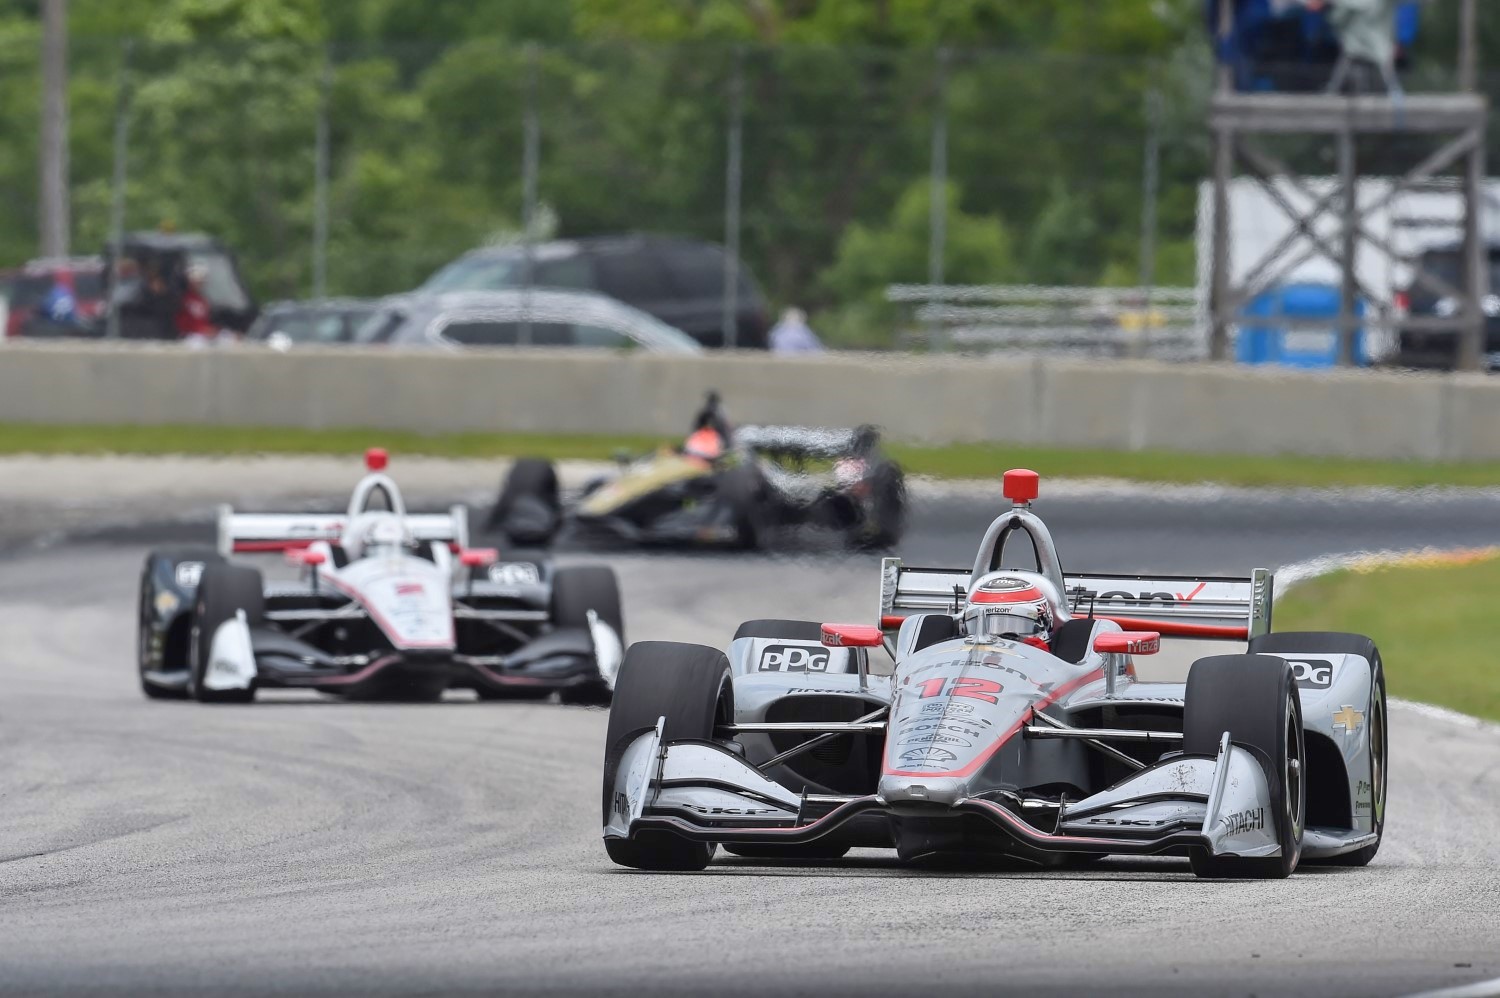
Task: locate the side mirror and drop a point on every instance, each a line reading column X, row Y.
column 1128, row 643
column 312, row 557
column 478, row 557
column 852, row 636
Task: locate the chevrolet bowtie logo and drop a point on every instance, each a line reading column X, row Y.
column 1349, row 719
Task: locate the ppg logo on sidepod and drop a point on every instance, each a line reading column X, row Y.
column 793, row 658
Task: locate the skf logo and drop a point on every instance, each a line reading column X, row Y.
column 793, row 658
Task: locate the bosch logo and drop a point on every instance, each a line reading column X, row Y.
column 794, row 658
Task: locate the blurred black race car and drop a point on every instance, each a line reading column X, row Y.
column 721, row 486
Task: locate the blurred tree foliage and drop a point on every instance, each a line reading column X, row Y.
column 1045, row 104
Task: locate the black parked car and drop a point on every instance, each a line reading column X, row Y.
column 1440, row 349
column 327, row 320
column 680, row 281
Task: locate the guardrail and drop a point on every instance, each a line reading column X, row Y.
column 1123, row 405
column 1161, row 323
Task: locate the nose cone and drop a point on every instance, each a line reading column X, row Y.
column 945, row 790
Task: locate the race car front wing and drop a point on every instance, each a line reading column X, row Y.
column 705, row 792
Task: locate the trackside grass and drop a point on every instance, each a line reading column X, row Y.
column 1435, row 623
column 949, row 461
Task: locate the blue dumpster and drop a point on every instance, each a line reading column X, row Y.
column 1263, row 340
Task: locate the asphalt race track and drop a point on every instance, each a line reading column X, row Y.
column 301, row 845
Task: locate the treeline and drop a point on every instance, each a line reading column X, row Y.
column 1046, row 108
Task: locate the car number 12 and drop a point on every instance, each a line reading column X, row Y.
column 979, row 689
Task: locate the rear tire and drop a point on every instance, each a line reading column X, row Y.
column 223, row 591
column 1336, row 643
column 528, row 510
column 885, row 519
column 688, row 685
column 1255, row 699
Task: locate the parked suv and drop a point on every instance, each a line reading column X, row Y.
column 680, row 281
column 1440, row 349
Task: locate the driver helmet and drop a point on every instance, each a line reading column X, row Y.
column 1004, row 605
column 384, row 534
column 706, row 443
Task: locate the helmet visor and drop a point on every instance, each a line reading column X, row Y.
column 1000, row 620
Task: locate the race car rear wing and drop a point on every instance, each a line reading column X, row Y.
column 262, row 532
column 1229, row 609
column 798, row 441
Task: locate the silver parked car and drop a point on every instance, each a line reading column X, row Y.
column 539, row 317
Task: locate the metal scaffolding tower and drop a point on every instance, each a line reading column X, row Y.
column 1449, row 128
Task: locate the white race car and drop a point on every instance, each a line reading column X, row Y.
column 388, row 605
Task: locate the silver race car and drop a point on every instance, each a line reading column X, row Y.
column 999, row 742
column 388, row 605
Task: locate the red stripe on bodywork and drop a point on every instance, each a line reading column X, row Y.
column 1182, row 629
column 261, row 547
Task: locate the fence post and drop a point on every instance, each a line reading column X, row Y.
column 320, row 182
column 733, row 182
column 117, row 190
column 530, row 157
column 937, row 220
column 1151, row 183
column 53, row 158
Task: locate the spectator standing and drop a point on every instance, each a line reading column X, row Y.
column 193, row 315
column 1366, row 31
column 792, row 334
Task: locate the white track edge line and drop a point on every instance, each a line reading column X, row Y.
column 1290, row 575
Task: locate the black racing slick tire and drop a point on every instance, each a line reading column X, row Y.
column 223, row 591
column 575, row 591
column 689, row 686
column 743, row 490
column 787, row 630
column 1255, row 699
column 528, row 510
column 885, row 518
column 1378, row 748
column 161, row 632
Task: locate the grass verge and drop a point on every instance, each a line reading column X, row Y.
column 949, row 461
column 1440, row 645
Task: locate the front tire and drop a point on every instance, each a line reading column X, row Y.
column 223, row 591
column 743, row 490
column 1255, row 699
column 1378, row 747
column 689, row 686
column 575, row 591
column 151, row 626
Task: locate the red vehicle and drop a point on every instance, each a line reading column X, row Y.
column 55, row 297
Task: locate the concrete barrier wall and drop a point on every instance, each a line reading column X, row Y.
column 1098, row 404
